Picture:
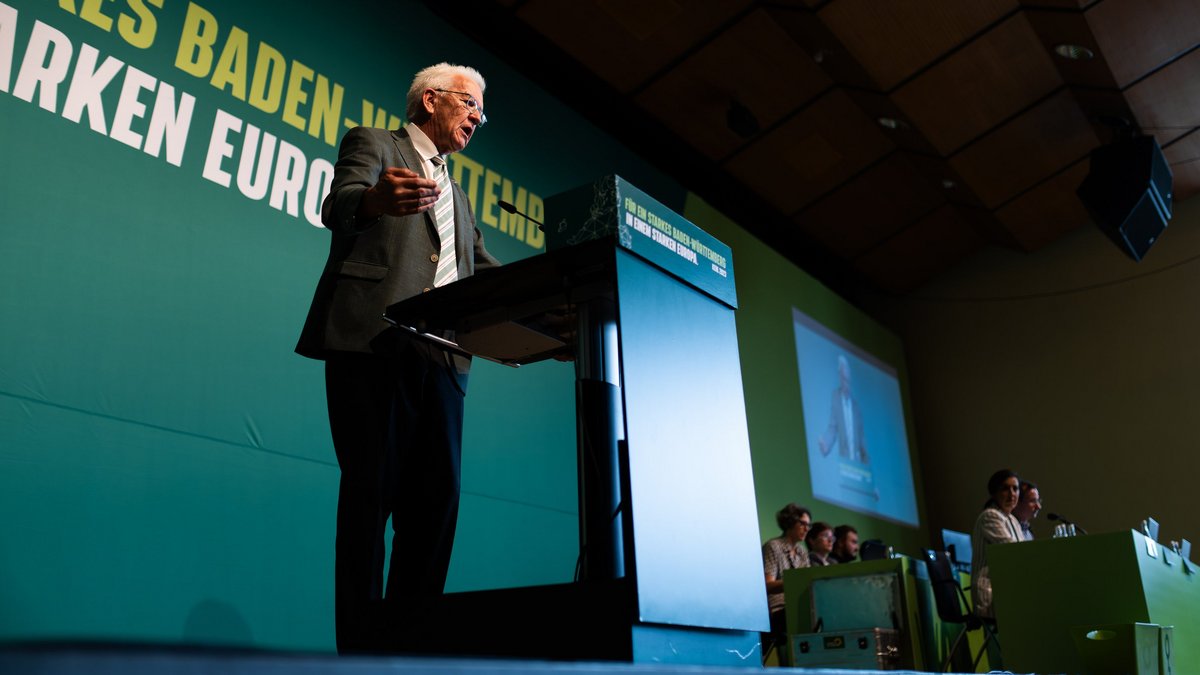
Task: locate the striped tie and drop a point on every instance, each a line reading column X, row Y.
column 443, row 215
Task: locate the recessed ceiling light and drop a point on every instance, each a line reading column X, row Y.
column 1074, row 52
column 741, row 120
column 892, row 123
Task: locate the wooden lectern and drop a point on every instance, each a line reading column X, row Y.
column 670, row 566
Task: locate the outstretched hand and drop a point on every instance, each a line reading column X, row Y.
column 399, row 192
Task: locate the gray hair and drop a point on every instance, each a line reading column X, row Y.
column 440, row 76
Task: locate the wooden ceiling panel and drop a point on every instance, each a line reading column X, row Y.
column 878, row 106
column 1184, row 158
column 918, row 253
column 626, row 42
column 1058, row 4
column 1167, row 104
column 992, row 78
column 995, row 127
column 873, row 206
column 938, row 171
column 810, row 4
column 894, row 40
column 808, row 30
column 1102, row 107
column 1017, row 156
column 811, row 153
column 1138, row 36
column 741, row 64
column 1055, row 28
column 1048, row 211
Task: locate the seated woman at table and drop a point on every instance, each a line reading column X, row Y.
column 779, row 554
column 995, row 525
column 820, row 545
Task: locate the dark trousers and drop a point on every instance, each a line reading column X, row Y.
column 397, row 431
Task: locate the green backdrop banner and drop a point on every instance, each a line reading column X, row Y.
column 166, row 472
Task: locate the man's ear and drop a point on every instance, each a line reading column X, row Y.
column 429, row 100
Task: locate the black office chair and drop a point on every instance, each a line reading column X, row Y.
column 951, row 604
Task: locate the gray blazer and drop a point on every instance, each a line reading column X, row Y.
column 377, row 263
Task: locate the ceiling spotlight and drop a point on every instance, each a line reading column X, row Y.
column 949, row 184
column 740, row 120
column 1074, row 52
column 892, row 123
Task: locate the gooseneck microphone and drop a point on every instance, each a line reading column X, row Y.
column 513, row 210
column 1055, row 516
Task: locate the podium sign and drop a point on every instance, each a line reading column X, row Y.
column 611, row 206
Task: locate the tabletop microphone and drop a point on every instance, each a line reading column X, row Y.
column 1055, row 516
column 513, row 210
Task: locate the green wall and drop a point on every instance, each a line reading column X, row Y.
column 1073, row 365
column 768, row 288
column 165, row 464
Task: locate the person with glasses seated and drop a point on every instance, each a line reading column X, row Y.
column 820, row 545
column 399, row 226
column 779, row 554
column 1029, row 504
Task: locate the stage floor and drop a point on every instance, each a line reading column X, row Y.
column 117, row 659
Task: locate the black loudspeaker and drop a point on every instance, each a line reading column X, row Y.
column 1128, row 193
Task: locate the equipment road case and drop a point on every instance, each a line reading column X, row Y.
column 868, row 648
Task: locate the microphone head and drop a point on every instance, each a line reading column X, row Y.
column 1054, row 516
column 506, row 206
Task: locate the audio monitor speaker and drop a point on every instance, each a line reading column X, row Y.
column 1128, row 193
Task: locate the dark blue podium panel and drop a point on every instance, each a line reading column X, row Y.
column 695, row 523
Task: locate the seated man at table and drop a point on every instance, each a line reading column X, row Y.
column 845, row 544
column 1029, row 504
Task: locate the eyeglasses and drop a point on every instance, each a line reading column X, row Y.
column 470, row 103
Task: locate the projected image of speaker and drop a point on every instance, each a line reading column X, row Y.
column 1128, row 193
